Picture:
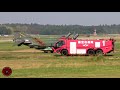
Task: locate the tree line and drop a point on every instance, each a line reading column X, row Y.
column 58, row 29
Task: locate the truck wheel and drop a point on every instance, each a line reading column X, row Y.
column 99, row 52
column 91, row 52
column 64, row 52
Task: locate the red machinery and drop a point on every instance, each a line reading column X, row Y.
column 73, row 46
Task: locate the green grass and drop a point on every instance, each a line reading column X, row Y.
column 48, row 65
column 68, row 72
column 10, row 46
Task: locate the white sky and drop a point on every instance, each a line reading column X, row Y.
column 61, row 18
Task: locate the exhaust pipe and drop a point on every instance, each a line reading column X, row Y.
column 67, row 36
column 75, row 36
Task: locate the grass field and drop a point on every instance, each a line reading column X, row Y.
column 30, row 63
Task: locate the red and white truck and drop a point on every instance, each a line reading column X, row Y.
column 72, row 46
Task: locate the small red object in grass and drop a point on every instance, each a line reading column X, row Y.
column 7, row 71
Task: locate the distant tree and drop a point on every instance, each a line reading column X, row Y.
column 4, row 31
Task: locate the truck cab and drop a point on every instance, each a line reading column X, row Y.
column 59, row 46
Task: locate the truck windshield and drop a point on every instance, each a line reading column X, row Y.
column 60, row 43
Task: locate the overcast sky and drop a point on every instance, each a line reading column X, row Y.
column 61, row 18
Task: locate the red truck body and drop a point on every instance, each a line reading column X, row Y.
column 69, row 46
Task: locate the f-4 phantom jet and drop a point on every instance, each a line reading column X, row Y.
column 21, row 38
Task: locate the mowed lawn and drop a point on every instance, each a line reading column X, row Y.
column 30, row 63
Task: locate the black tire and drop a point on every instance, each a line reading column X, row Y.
column 99, row 52
column 64, row 52
column 91, row 52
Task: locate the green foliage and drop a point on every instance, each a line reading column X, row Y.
column 58, row 29
column 4, row 31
